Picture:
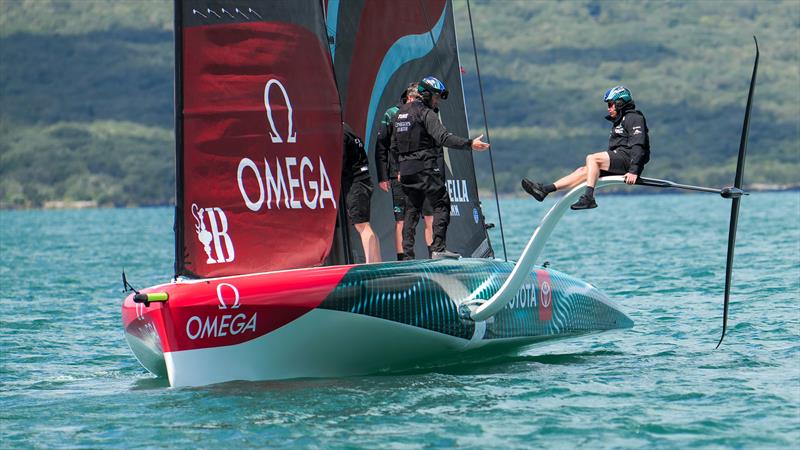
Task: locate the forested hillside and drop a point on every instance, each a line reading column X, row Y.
column 86, row 91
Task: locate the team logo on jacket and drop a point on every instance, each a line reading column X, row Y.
column 619, row 130
column 216, row 241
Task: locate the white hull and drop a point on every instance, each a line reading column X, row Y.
column 325, row 343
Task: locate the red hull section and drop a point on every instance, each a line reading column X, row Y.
column 228, row 311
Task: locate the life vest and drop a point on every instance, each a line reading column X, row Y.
column 410, row 132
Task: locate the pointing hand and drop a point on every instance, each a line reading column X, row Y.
column 479, row 145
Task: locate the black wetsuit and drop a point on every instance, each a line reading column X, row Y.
column 628, row 142
column 356, row 182
column 418, row 139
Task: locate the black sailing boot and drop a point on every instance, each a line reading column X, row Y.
column 534, row 189
column 585, row 202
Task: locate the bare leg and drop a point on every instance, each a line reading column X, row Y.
column 372, row 249
column 398, row 236
column 594, row 164
column 570, row 181
column 428, row 229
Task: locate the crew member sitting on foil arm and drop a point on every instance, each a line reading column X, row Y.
column 628, row 152
column 357, row 186
column 388, row 175
column 418, row 139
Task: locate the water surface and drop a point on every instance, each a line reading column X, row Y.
column 68, row 379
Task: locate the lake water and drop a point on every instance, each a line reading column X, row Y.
column 68, row 379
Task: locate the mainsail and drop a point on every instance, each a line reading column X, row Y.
column 261, row 92
column 378, row 48
column 259, row 146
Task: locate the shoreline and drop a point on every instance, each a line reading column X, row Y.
column 483, row 194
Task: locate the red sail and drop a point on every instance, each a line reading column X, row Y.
column 260, row 138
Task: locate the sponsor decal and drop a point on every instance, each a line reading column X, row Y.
column 458, row 192
column 525, row 298
column 475, row 216
column 222, row 251
column 285, row 180
column 221, row 325
column 545, row 295
column 274, row 135
column 457, row 189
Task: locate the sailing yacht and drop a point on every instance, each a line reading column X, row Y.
column 267, row 281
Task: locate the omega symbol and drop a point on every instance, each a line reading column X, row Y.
column 274, row 135
column 222, row 303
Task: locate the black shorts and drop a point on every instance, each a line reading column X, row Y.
column 358, row 198
column 619, row 163
column 399, row 202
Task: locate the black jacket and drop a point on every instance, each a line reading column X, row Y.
column 629, row 133
column 386, row 160
column 419, row 136
column 356, row 164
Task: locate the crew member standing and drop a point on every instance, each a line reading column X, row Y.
column 388, row 176
column 357, row 186
column 418, row 139
column 628, row 152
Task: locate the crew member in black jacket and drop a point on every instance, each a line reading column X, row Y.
column 418, row 139
column 357, row 187
column 628, row 152
column 388, row 176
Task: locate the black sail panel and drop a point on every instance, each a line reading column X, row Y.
column 378, row 48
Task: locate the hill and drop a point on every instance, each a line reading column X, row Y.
column 86, row 91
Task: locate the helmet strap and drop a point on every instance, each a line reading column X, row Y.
column 426, row 96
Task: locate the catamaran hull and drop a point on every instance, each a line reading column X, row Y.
column 352, row 320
